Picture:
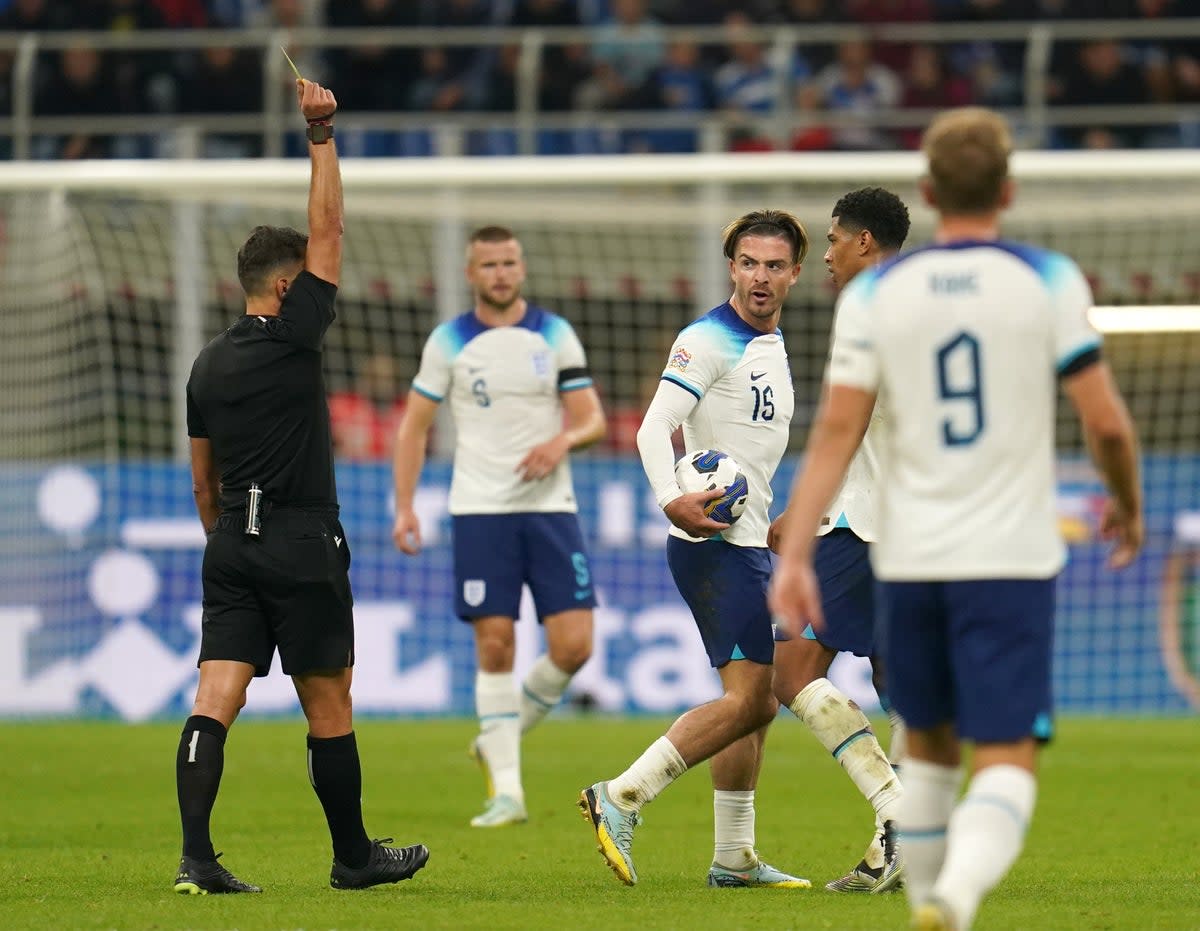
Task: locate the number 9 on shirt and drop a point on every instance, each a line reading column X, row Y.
column 707, row 469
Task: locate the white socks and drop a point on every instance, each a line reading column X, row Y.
column 898, row 739
column 500, row 732
column 650, row 773
column 733, row 829
column 986, row 833
column 845, row 732
column 930, row 792
column 541, row 691
column 503, row 718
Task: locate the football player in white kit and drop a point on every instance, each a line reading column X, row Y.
column 867, row 226
column 966, row 341
column 510, row 370
column 727, row 382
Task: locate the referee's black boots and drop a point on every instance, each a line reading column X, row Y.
column 207, row 877
column 385, row 865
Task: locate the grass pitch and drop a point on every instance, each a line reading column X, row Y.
column 89, row 836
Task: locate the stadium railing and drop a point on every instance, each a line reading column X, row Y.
column 449, row 134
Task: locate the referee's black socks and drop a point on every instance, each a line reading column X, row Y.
column 198, row 765
column 335, row 774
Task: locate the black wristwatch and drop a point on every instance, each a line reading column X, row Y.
column 319, row 131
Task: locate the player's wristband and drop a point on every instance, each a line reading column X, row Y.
column 319, row 131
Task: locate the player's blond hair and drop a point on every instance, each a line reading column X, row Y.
column 767, row 223
column 967, row 151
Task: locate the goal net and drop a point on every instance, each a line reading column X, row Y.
column 117, row 273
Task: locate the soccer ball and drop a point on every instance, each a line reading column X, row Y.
column 707, row 469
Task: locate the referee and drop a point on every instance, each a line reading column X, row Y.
column 276, row 563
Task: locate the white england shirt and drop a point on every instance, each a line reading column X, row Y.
column 963, row 343
column 742, row 385
column 503, row 385
column 855, row 505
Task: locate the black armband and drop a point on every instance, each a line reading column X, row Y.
column 574, row 374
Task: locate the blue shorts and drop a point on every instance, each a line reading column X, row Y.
column 843, row 565
column 975, row 653
column 726, row 588
column 496, row 554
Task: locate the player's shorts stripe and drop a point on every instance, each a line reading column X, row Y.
column 575, row 384
column 498, row 717
column 427, row 394
column 682, row 384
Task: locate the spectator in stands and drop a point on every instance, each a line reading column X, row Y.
column 437, row 86
column 119, row 15
column 856, row 85
column 34, row 16
column 812, row 13
column 1154, row 56
column 929, row 85
column 29, row 16
column 681, row 85
column 80, row 87
column 1185, row 70
column 711, row 12
column 545, row 13
column 986, row 10
column 498, row 95
column 993, row 83
column 183, row 14
column 993, row 68
column 363, row 420
column 564, row 67
column 468, row 65
column 1101, row 76
column 626, row 51
column 748, row 82
column 289, row 14
column 894, row 55
column 142, row 80
column 812, row 132
column 225, row 80
column 235, row 13
column 373, row 77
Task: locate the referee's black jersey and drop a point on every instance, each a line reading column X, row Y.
column 257, row 392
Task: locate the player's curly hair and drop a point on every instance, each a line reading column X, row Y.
column 876, row 210
column 767, row 223
column 268, row 250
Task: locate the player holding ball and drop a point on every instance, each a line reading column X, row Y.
column 727, row 382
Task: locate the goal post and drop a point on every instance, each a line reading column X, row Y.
column 116, row 273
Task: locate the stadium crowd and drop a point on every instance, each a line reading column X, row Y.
column 632, row 63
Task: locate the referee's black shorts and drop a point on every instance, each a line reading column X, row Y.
column 286, row 589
